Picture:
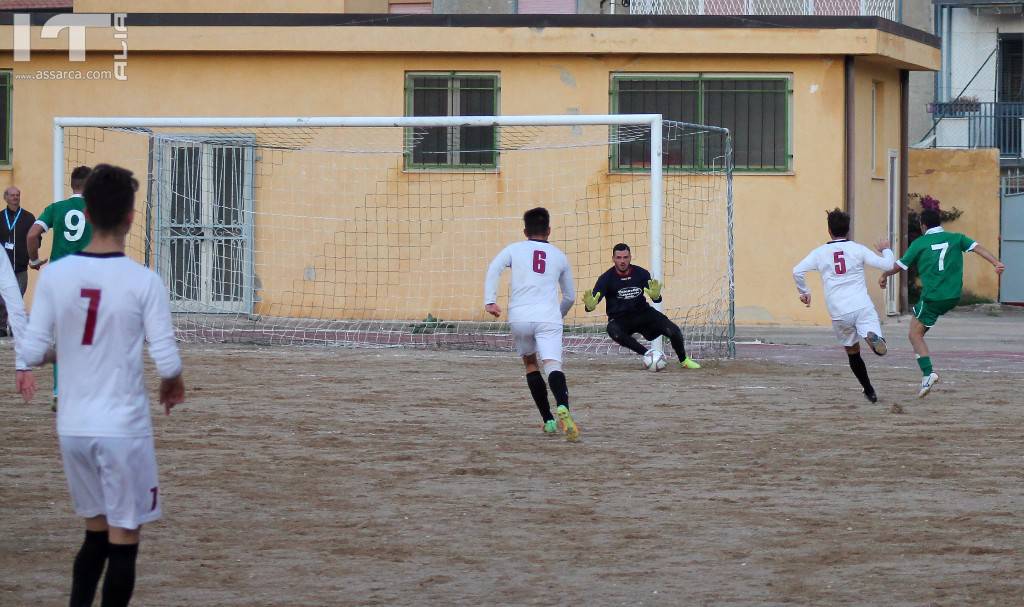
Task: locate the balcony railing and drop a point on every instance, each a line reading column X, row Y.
column 888, row 9
column 973, row 124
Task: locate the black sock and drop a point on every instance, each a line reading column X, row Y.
column 861, row 371
column 559, row 388
column 676, row 337
column 540, row 394
column 89, row 563
column 120, row 579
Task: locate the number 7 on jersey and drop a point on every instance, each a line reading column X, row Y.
column 93, row 295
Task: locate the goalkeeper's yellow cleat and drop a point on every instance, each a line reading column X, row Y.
column 688, row 363
column 591, row 299
column 550, row 427
column 653, row 290
column 572, row 432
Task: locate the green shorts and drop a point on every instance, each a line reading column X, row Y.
column 928, row 312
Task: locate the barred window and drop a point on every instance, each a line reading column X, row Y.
column 451, row 94
column 755, row 110
column 5, row 117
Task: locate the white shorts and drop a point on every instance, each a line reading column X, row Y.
column 541, row 338
column 852, row 327
column 115, row 477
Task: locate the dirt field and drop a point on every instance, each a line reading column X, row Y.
column 396, row 477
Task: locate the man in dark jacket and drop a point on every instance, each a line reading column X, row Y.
column 15, row 223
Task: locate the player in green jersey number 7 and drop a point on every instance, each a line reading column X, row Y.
column 939, row 259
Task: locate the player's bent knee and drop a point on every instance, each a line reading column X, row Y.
column 550, row 366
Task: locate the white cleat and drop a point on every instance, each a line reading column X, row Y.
column 927, row 383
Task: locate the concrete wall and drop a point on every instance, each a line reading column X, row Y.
column 475, row 6
column 919, row 14
column 968, row 180
column 974, row 37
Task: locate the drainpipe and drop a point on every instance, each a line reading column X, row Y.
column 902, row 303
column 849, row 157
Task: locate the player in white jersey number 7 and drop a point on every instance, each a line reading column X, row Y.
column 101, row 306
column 841, row 265
column 539, row 271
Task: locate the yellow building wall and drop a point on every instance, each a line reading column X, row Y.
column 778, row 217
column 969, row 181
column 872, row 147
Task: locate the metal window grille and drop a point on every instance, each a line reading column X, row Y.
column 452, row 95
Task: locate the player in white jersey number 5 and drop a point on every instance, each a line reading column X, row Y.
column 100, row 306
column 841, row 265
column 539, row 271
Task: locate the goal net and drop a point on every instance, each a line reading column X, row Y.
column 378, row 231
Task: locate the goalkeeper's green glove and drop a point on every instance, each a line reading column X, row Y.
column 653, row 290
column 590, row 300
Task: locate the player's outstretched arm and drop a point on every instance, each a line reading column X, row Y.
column 883, row 262
column 11, row 295
column 32, row 242
column 989, row 257
column 653, row 290
column 163, row 348
column 501, row 261
column 172, row 392
column 886, row 274
column 567, row 285
column 800, row 271
column 26, row 384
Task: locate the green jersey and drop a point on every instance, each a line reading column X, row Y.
column 939, row 256
column 71, row 232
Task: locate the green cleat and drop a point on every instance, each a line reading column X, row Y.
column 572, row 432
column 688, row 363
column 550, row 427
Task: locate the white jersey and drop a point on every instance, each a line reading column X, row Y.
column 11, row 293
column 100, row 308
column 539, row 270
column 841, row 264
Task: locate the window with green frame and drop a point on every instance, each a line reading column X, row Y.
column 754, row 109
column 5, row 116
column 451, row 94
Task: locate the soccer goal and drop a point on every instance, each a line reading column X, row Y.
column 378, row 231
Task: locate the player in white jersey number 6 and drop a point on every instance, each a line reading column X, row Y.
column 100, row 306
column 539, row 271
column 841, row 265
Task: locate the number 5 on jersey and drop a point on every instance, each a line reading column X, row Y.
column 93, row 295
column 840, row 266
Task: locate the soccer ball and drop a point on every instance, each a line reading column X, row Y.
column 654, row 361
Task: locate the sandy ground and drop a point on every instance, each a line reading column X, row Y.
column 398, row 477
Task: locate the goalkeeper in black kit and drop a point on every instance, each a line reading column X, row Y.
column 624, row 287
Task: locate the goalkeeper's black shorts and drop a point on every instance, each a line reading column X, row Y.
column 648, row 322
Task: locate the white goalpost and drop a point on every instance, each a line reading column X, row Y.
column 377, row 231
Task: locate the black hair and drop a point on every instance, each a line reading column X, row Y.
column 931, row 218
column 537, row 221
column 620, row 247
column 838, row 223
column 109, row 195
column 78, row 177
